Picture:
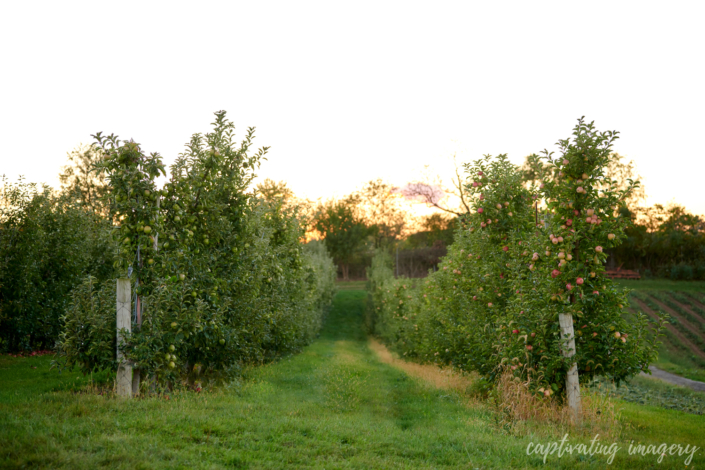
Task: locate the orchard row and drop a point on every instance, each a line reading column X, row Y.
column 221, row 277
column 523, row 288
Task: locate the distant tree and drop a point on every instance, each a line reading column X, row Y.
column 623, row 173
column 431, row 191
column 343, row 231
column 437, row 230
column 380, row 206
column 271, row 191
column 81, row 179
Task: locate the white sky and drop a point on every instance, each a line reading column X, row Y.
column 348, row 92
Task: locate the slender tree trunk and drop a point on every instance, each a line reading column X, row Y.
column 124, row 322
column 572, row 381
column 346, row 269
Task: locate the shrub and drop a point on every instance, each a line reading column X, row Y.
column 682, row 272
column 48, row 243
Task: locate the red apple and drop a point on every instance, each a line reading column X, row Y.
column 555, row 273
column 579, row 281
column 480, row 210
column 505, row 248
column 569, row 286
column 516, row 332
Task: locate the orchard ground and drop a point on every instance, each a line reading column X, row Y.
column 683, row 349
column 335, row 405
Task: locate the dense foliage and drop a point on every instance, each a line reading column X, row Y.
column 222, row 276
column 48, row 243
column 495, row 301
column 664, row 242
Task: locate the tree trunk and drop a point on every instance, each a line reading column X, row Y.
column 572, row 382
column 124, row 322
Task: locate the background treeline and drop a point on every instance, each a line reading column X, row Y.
column 662, row 241
column 667, row 242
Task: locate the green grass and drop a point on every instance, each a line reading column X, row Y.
column 662, row 284
column 351, row 285
column 647, row 390
column 332, row 406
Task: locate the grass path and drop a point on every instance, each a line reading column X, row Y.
column 335, row 405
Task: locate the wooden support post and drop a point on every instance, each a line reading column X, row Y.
column 572, row 381
column 124, row 322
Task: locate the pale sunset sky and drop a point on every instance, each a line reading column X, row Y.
column 346, row 92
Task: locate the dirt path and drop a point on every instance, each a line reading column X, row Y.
column 693, row 348
column 441, row 378
column 675, row 379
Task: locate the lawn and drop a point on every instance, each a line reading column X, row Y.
column 663, row 284
column 335, row 405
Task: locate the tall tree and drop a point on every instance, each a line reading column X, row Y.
column 431, row 191
column 271, row 191
column 81, row 179
column 381, row 208
column 343, row 231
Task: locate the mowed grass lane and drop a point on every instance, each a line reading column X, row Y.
column 335, row 405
